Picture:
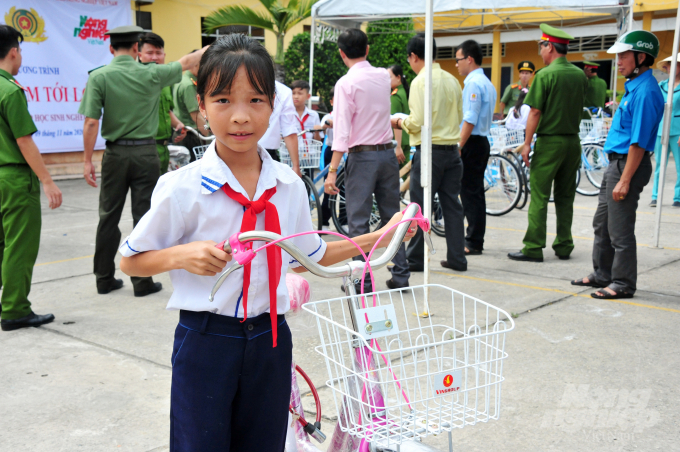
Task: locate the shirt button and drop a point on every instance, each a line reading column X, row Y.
column 250, row 327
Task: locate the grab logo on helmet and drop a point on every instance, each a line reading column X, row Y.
column 647, row 45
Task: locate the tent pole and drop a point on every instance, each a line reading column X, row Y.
column 631, row 10
column 426, row 144
column 311, row 63
column 665, row 133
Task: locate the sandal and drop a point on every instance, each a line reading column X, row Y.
column 472, row 252
column 604, row 295
column 581, row 282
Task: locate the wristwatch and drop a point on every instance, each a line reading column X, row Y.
column 331, row 169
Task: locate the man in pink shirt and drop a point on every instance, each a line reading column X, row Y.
column 361, row 126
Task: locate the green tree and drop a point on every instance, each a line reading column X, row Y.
column 328, row 66
column 388, row 39
column 276, row 17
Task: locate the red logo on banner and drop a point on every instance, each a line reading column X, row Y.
column 91, row 29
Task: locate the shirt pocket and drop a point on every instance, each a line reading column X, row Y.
column 623, row 118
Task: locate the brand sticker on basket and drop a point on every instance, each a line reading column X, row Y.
column 448, row 382
column 376, row 322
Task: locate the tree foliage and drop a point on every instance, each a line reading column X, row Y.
column 328, row 66
column 388, row 39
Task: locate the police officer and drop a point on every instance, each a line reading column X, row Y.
column 186, row 108
column 152, row 50
column 511, row 94
column 556, row 101
column 630, row 143
column 128, row 92
column 596, row 93
column 21, row 171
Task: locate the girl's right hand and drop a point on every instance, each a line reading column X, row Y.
column 202, row 258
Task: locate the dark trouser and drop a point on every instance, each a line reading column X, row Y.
column 475, row 155
column 615, row 246
column 163, row 157
column 19, row 237
column 230, row 387
column 325, row 203
column 447, row 172
column 554, row 164
column 374, row 173
column 274, row 154
column 134, row 168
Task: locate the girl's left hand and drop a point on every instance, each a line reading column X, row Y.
column 396, row 218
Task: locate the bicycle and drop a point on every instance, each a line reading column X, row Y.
column 396, row 380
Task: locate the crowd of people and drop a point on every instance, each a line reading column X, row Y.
column 228, row 90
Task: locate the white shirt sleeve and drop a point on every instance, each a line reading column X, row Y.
column 287, row 119
column 310, row 244
column 161, row 227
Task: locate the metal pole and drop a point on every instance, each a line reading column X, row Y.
column 311, row 64
column 666, row 131
column 426, row 143
column 631, row 8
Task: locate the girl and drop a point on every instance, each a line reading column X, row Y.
column 517, row 116
column 231, row 358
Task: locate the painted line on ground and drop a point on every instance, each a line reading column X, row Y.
column 63, row 260
column 545, row 289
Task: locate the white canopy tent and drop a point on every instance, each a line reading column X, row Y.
column 451, row 16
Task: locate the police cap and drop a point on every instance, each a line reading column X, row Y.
column 552, row 34
column 125, row 35
column 590, row 64
column 526, row 66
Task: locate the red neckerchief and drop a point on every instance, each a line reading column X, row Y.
column 302, row 121
column 271, row 224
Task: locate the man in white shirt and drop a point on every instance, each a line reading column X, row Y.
column 282, row 123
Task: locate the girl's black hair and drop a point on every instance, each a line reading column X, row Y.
column 519, row 103
column 225, row 56
column 399, row 72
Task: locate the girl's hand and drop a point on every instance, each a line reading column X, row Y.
column 396, row 218
column 202, row 258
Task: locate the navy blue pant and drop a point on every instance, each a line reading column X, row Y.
column 230, row 387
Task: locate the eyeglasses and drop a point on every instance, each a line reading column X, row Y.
column 461, row 59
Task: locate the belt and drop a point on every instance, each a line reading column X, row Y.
column 14, row 165
column 142, row 142
column 617, row 156
column 163, row 142
column 373, row 147
column 442, row 147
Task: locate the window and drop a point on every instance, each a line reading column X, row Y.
column 307, row 29
column 143, row 19
column 592, row 43
column 449, row 53
column 254, row 32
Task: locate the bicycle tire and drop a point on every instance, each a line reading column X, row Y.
column 339, row 212
column 314, row 202
column 524, row 197
column 436, row 224
column 502, row 185
column 595, row 170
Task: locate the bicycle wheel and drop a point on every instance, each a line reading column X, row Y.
column 314, row 202
column 339, row 213
column 524, row 178
column 595, row 164
column 437, row 222
column 502, row 185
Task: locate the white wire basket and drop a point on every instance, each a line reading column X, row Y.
column 404, row 376
column 594, row 130
column 200, row 150
column 309, row 151
column 502, row 138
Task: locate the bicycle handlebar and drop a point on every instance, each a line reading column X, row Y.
column 346, row 270
column 198, row 134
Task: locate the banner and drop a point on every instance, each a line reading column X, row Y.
column 63, row 40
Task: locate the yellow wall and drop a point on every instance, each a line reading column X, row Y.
column 178, row 22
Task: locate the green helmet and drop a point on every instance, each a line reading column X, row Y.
column 637, row 41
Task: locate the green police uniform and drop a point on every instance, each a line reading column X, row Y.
column 558, row 92
column 128, row 92
column 19, row 202
column 596, row 93
column 184, row 96
column 164, row 128
column 399, row 104
column 511, row 93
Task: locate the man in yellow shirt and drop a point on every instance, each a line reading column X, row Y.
column 447, row 173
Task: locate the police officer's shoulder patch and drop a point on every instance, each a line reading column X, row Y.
column 92, row 70
column 515, row 86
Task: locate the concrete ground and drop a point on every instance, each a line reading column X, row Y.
column 582, row 374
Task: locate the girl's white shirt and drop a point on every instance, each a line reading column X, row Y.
column 518, row 123
column 188, row 205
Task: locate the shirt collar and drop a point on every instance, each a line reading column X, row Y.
column 215, row 173
column 664, row 86
column 473, row 74
column 7, row 75
column 631, row 85
column 360, row 65
column 306, row 111
column 122, row 58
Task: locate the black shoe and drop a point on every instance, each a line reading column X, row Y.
column 32, row 319
column 562, row 258
column 472, row 252
column 447, row 264
column 393, row 285
column 357, row 287
column 106, row 288
column 156, row 287
column 520, row 256
column 415, row 267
